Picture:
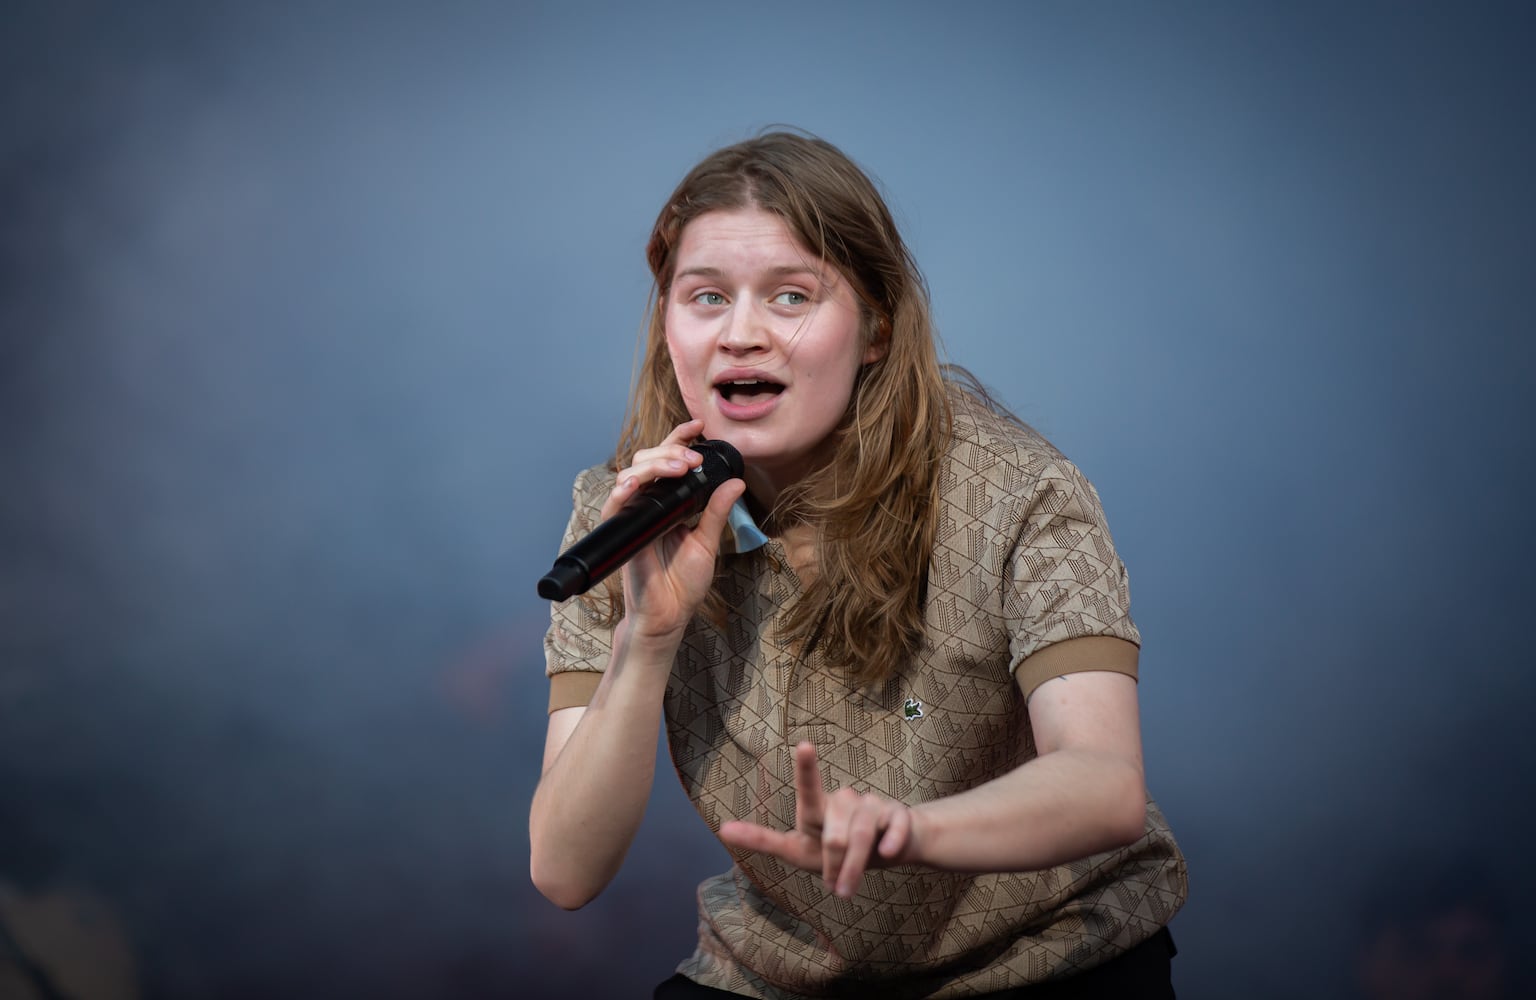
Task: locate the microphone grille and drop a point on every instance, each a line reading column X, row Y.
column 721, row 461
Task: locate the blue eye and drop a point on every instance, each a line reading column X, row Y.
column 792, row 298
column 709, row 299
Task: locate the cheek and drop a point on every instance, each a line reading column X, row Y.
column 677, row 354
column 682, row 344
column 685, row 375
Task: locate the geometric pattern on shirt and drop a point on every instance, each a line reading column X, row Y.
column 1022, row 560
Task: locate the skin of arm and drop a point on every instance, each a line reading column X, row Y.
column 1084, row 793
column 599, row 761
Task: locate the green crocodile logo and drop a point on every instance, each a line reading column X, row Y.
column 913, row 709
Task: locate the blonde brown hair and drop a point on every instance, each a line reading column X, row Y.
column 874, row 504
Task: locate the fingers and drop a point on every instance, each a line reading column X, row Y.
column 809, row 807
column 860, row 832
column 842, row 835
column 854, row 824
column 793, row 847
column 752, row 837
column 836, row 834
column 669, row 459
column 898, row 834
column 712, row 523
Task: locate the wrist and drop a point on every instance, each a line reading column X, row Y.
column 646, row 638
column 920, row 836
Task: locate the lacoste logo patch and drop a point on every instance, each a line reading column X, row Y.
column 912, row 710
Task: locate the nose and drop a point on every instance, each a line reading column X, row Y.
column 746, row 330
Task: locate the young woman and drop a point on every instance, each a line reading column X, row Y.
column 895, row 662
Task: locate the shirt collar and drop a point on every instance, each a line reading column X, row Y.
column 744, row 530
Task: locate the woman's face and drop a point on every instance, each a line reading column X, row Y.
column 765, row 341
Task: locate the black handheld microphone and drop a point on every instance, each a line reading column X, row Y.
column 648, row 515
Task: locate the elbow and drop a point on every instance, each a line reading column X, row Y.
column 559, row 869
column 1127, row 815
column 563, row 892
column 551, row 870
column 555, row 877
column 566, row 900
column 1130, row 822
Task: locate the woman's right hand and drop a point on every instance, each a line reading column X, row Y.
column 665, row 583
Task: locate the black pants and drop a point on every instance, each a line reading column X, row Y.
column 1143, row 973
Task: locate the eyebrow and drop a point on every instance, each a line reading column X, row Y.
column 783, row 270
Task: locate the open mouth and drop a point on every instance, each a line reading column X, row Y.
column 747, row 391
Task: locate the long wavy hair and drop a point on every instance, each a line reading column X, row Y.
column 874, row 504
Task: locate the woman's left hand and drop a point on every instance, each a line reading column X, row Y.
column 840, row 835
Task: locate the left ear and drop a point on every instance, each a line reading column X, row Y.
column 880, row 344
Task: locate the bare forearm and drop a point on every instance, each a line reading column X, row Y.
column 592, row 796
column 1057, row 808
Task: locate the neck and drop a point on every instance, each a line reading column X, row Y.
column 766, row 483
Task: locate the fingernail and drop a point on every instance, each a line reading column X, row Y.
column 694, row 458
column 628, row 483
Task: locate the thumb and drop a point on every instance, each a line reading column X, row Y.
column 712, row 523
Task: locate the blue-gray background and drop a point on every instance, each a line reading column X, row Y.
column 310, row 312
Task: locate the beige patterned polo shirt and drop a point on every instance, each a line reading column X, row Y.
column 1024, row 582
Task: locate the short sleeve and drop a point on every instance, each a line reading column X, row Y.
column 1067, row 602
column 580, row 637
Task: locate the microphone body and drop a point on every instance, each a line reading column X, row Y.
column 648, row 515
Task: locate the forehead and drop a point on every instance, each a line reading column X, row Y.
column 743, row 237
